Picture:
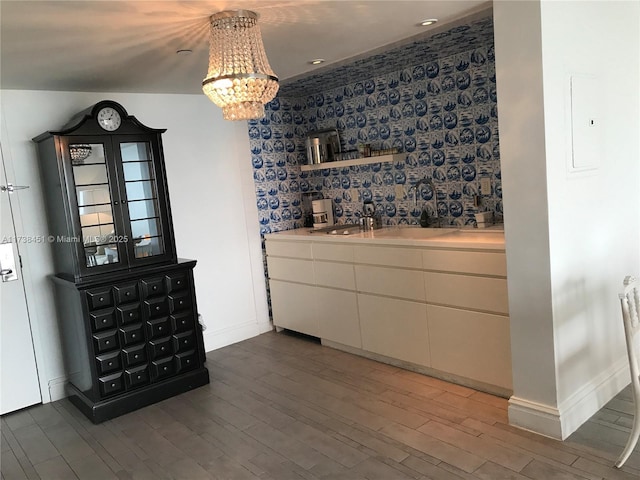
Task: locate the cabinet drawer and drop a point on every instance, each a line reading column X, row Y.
column 131, row 334
column 337, row 253
column 152, row 287
column 99, row 298
column 108, row 363
column 159, row 327
column 182, row 322
column 179, row 302
column 288, row 249
column 103, row 320
column 111, row 384
column 134, row 355
column 389, row 256
column 160, row 347
column 291, row 270
column 156, row 307
column 471, row 344
column 184, row 341
column 477, row 293
column 483, row 263
column 162, row 368
column 176, row 282
column 136, row 376
column 105, row 341
column 126, row 293
column 185, row 361
column 395, row 328
column 337, row 275
column 392, row 282
column 128, row 313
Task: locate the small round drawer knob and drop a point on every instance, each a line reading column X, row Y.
column 164, row 368
column 180, row 302
column 106, row 342
column 159, row 329
column 110, row 364
column 162, row 349
column 113, row 385
column 179, row 282
column 139, row 377
column 101, row 299
column 188, row 362
column 127, row 294
column 104, row 320
column 130, row 314
column 185, row 342
column 136, row 356
column 133, row 335
column 184, row 322
column 155, row 287
column 158, row 308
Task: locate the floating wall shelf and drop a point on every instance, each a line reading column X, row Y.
column 356, row 161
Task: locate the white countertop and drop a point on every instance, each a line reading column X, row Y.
column 491, row 238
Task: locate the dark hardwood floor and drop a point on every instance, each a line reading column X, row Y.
column 282, row 407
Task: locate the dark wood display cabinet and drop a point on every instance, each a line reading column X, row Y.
column 126, row 304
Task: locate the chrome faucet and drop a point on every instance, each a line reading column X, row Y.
column 429, row 182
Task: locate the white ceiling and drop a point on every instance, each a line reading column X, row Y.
column 130, row 46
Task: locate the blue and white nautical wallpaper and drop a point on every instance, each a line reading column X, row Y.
column 434, row 100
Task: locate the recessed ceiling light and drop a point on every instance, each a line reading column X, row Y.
column 184, row 51
column 428, row 21
column 317, row 61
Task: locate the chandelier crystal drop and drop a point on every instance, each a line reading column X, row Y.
column 239, row 80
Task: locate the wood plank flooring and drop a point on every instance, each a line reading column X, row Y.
column 283, row 407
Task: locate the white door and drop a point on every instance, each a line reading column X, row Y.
column 19, row 386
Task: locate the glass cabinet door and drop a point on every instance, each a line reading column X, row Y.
column 94, row 204
column 143, row 200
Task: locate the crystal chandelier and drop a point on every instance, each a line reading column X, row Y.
column 79, row 152
column 239, row 80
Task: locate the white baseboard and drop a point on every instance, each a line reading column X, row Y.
column 214, row 339
column 561, row 422
column 57, row 389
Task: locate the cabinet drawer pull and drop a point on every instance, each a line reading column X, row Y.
column 110, row 364
column 126, row 294
column 136, row 356
column 158, row 308
column 133, row 335
column 104, row 320
column 106, row 342
column 179, row 282
column 159, row 329
column 188, row 362
column 101, row 299
column 113, row 385
column 155, row 287
column 164, row 368
column 180, row 302
column 162, row 349
column 130, row 314
column 138, row 377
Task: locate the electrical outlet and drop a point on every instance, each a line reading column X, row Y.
column 485, row 186
column 400, row 192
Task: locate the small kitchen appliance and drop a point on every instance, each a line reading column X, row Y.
column 322, row 146
column 322, row 213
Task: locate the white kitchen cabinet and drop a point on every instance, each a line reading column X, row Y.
column 293, row 307
column 435, row 308
column 338, row 318
column 394, row 328
column 470, row 344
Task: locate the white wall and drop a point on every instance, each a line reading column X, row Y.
column 569, row 354
column 212, row 200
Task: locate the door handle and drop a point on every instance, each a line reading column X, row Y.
column 9, row 187
column 6, row 271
